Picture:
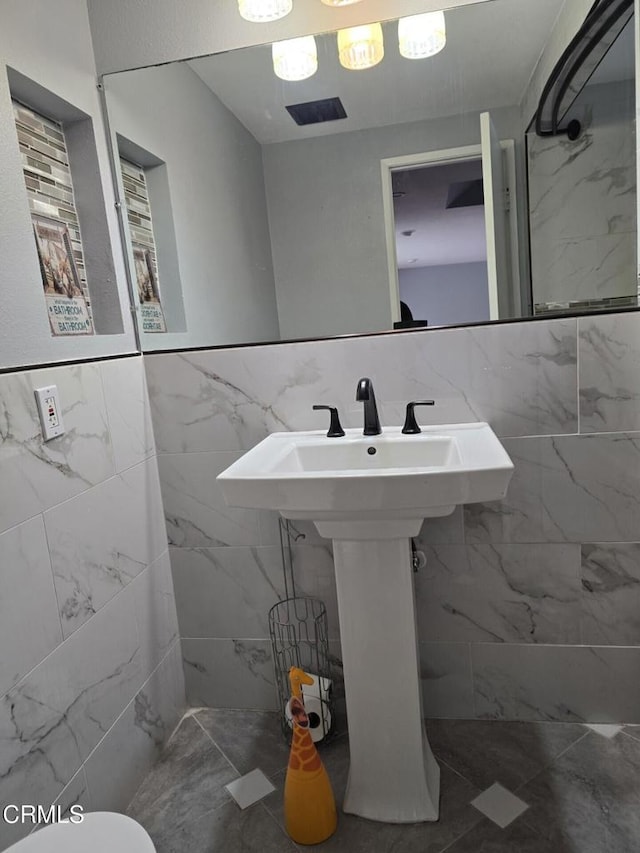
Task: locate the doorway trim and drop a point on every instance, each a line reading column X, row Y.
column 431, row 158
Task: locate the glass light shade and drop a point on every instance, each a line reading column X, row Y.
column 339, row 2
column 261, row 11
column 360, row 47
column 295, row 59
column 420, row 36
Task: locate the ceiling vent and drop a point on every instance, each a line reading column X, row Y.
column 465, row 194
column 315, row 112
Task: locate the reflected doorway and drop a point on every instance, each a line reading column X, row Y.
column 451, row 183
column 441, row 250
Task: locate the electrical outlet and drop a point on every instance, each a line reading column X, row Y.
column 50, row 411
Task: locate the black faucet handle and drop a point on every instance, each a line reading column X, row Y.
column 335, row 428
column 410, row 423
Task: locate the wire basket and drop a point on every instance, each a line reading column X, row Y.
column 299, row 637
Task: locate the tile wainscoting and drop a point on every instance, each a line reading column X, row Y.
column 528, row 608
column 91, row 681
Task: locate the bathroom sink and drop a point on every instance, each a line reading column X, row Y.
column 370, row 494
column 358, row 477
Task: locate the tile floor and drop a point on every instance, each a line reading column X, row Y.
column 506, row 788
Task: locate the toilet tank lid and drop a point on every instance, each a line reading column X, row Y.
column 99, row 832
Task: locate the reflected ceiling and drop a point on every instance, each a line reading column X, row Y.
column 500, row 41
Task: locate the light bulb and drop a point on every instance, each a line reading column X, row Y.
column 261, row 11
column 295, row 59
column 420, row 36
column 360, row 47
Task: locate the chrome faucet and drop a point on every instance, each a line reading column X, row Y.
column 366, row 395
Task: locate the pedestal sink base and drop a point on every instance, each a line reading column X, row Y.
column 393, row 775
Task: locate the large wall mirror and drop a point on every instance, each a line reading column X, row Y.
column 415, row 192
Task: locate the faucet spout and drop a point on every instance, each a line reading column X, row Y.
column 365, row 394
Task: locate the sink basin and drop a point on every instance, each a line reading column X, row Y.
column 370, row 494
column 305, row 475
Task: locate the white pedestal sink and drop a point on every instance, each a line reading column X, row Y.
column 370, row 495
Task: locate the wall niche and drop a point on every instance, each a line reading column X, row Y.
column 66, row 202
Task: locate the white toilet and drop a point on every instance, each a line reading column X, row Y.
column 99, row 832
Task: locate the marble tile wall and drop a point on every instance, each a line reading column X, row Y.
column 528, row 608
column 582, row 203
column 91, row 679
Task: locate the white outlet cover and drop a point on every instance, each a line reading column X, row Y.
column 50, row 411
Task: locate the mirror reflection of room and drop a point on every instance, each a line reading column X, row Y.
column 582, row 195
column 278, row 191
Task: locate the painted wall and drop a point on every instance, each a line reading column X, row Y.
column 216, row 184
column 134, row 33
column 457, row 293
column 582, row 202
column 327, row 225
column 91, row 681
column 527, row 608
column 55, row 51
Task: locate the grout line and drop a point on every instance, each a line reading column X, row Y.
column 578, row 373
column 220, row 750
column 76, row 631
column 557, row 758
column 467, row 831
column 132, row 700
column 473, row 680
column 105, row 402
column 629, row 735
column 457, row 773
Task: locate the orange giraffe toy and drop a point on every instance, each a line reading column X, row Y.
column 309, row 805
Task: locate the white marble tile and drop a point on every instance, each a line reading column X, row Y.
column 131, row 747
column 499, row 805
column 445, row 674
column 226, row 592
column 128, row 410
column 561, row 683
column 100, row 540
column 582, row 188
column 606, row 730
column 195, row 510
column 582, row 204
column 76, row 793
column 155, row 613
column 586, row 268
column 500, row 593
column 436, row 531
column 522, row 378
column 609, row 373
column 611, row 594
column 37, row 475
column 315, row 577
column 29, row 622
column 229, row 673
column 51, row 720
column 212, row 400
column 568, row 488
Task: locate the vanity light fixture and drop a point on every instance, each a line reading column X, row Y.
column 360, row 47
column 340, row 2
column 295, row 59
column 420, row 36
column 261, row 11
